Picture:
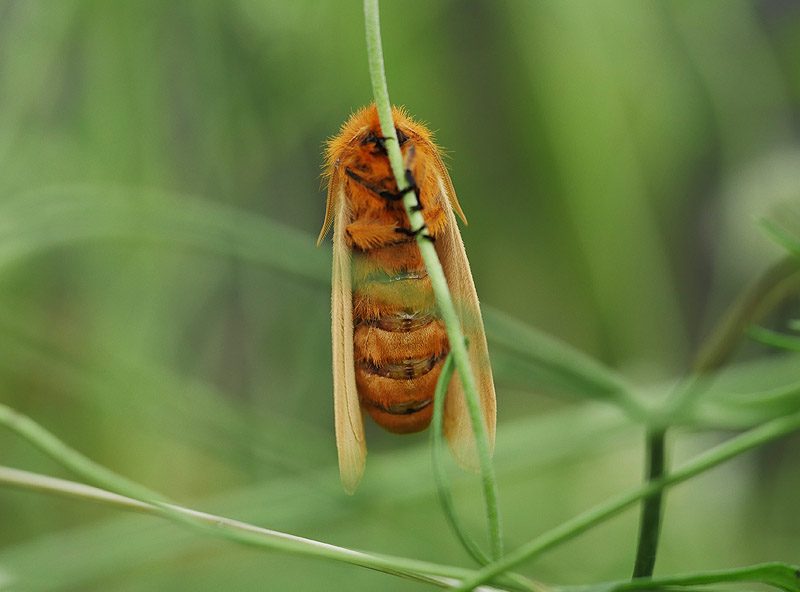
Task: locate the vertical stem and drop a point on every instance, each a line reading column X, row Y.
column 433, row 266
column 650, row 521
column 773, row 287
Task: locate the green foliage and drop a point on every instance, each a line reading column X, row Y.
column 163, row 309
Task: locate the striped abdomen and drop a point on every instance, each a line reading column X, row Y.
column 399, row 343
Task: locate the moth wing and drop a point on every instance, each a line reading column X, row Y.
column 450, row 248
column 350, row 442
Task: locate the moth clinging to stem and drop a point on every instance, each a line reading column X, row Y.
column 389, row 343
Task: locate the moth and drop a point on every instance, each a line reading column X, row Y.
column 389, row 343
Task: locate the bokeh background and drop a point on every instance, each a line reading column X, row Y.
column 163, row 309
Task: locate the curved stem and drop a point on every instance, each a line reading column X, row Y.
column 118, row 491
column 439, row 472
column 444, row 301
column 770, row 290
column 774, row 339
column 232, row 529
column 443, row 485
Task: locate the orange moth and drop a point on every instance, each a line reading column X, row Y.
column 389, row 344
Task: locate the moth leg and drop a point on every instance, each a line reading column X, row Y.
column 380, row 142
column 436, row 219
column 398, row 195
column 408, row 163
column 412, row 184
column 368, row 235
column 414, row 233
column 387, row 195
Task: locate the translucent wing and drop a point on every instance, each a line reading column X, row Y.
column 450, row 247
column 347, row 412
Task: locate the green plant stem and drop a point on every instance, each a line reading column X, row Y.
column 439, row 471
column 780, row 575
column 583, row 522
column 443, row 485
column 769, row 291
column 782, row 236
column 433, row 266
column 235, row 530
column 774, row 339
column 655, row 450
column 650, row 520
column 73, row 460
column 121, row 492
column 772, row 288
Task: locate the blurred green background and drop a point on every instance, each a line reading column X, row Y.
column 163, row 309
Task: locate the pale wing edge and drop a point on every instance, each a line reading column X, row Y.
column 350, row 442
column 457, row 422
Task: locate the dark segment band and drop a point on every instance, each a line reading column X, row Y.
column 403, row 370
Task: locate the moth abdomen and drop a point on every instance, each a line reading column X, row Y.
column 397, row 340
